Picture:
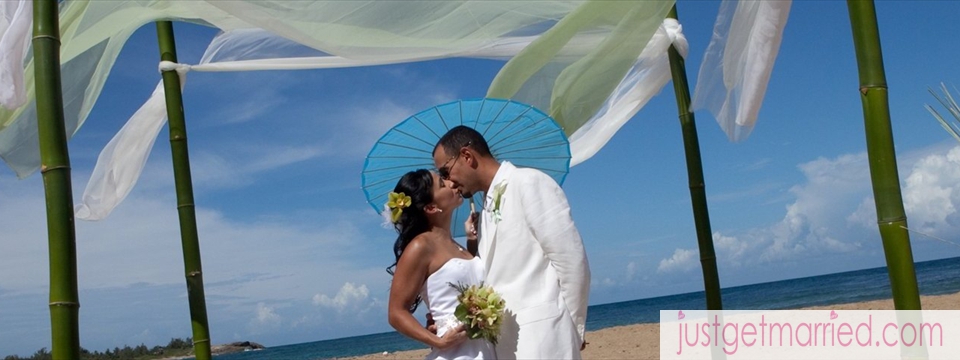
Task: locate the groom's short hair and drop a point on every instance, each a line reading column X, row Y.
column 460, row 136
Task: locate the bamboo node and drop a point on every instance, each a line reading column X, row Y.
column 864, row 88
column 201, row 341
column 51, row 37
column 44, row 168
column 194, row 273
column 892, row 221
column 65, row 303
column 184, row 205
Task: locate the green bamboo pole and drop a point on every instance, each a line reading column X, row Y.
column 883, row 160
column 55, row 167
column 185, row 208
column 698, row 195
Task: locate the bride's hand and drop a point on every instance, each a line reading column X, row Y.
column 452, row 338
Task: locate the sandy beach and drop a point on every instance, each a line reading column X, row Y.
column 643, row 341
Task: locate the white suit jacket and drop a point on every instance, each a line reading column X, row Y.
column 534, row 257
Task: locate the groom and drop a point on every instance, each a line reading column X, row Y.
column 533, row 252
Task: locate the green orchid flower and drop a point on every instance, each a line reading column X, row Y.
column 397, row 202
column 497, row 198
column 481, row 309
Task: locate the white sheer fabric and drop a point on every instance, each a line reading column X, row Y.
column 591, row 65
column 119, row 166
column 121, row 162
column 16, row 16
column 645, row 79
column 93, row 32
column 737, row 64
column 251, row 49
column 572, row 88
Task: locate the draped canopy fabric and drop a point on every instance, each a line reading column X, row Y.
column 15, row 21
column 738, row 62
column 363, row 32
column 590, row 64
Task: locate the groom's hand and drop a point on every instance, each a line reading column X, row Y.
column 471, row 226
column 584, row 345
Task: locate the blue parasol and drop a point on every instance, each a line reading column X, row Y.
column 515, row 131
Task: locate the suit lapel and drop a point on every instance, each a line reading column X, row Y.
column 488, row 236
column 489, row 225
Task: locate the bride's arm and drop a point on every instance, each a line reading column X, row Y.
column 408, row 279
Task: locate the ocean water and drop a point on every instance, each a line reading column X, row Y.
column 934, row 278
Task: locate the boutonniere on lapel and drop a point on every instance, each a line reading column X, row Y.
column 498, row 199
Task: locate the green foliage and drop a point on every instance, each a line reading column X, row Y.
column 953, row 128
column 180, row 344
column 176, row 347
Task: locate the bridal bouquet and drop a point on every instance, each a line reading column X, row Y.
column 481, row 310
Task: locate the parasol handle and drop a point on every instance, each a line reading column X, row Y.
column 473, row 246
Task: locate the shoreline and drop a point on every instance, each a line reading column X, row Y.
column 642, row 341
column 222, row 349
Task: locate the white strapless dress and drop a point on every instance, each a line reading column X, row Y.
column 441, row 301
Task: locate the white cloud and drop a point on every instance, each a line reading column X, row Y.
column 683, row 260
column 753, row 191
column 353, row 128
column 267, row 258
column 254, row 97
column 259, row 106
column 834, row 211
column 265, row 320
column 865, row 216
column 350, row 296
column 210, row 170
column 814, row 222
column 817, row 220
column 24, row 236
column 631, row 270
column 234, row 167
column 269, row 158
column 932, row 192
column 368, row 124
column 730, row 247
column 266, row 315
column 758, row 165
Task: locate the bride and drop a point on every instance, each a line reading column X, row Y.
column 428, row 261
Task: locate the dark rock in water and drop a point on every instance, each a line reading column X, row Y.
column 238, row 346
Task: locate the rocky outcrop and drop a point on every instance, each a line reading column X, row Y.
column 238, row 346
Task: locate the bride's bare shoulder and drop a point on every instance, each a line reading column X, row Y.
column 423, row 243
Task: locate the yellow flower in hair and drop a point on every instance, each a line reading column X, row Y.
column 397, row 202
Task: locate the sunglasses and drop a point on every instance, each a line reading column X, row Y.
column 444, row 171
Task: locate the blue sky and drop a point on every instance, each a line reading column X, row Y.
column 292, row 253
